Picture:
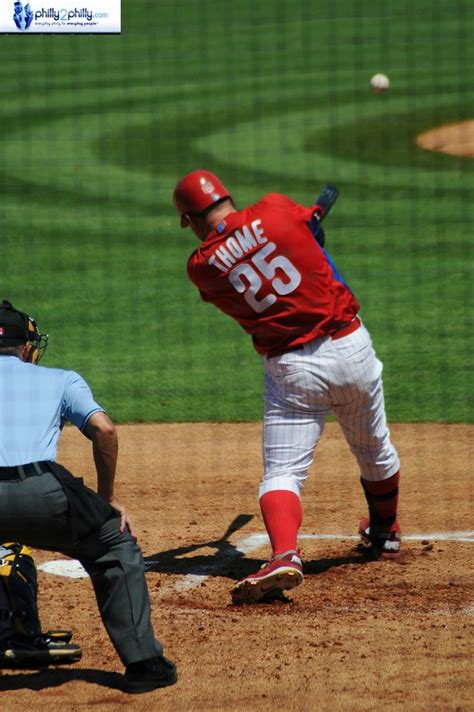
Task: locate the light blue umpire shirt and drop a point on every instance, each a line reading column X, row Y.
column 34, row 403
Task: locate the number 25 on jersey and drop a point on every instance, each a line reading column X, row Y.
column 246, row 278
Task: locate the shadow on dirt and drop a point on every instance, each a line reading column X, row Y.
column 54, row 677
column 229, row 562
column 357, row 555
column 182, row 561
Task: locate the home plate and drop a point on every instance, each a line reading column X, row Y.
column 70, row 568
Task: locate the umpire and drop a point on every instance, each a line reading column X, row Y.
column 43, row 505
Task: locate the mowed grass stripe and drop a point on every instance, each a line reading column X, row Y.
column 99, row 129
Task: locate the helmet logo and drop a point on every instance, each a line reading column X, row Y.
column 206, row 186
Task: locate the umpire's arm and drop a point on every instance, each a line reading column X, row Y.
column 103, row 434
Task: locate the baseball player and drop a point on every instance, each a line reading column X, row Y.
column 42, row 505
column 266, row 267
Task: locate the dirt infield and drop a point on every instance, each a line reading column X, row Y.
column 358, row 635
column 455, row 139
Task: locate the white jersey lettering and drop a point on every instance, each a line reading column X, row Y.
column 215, row 262
column 236, row 245
column 245, row 238
column 265, row 266
column 225, row 256
column 258, row 232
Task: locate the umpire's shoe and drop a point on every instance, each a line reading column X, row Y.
column 147, row 675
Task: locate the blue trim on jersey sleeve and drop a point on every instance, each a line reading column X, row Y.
column 314, row 225
column 89, row 416
column 78, row 403
column 338, row 277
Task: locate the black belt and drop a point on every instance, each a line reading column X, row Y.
column 20, row 472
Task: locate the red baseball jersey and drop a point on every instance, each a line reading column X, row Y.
column 263, row 267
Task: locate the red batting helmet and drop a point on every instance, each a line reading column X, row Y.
column 196, row 192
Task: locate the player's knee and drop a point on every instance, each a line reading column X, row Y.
column 292, row 481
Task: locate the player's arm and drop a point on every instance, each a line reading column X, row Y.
column 314, row 215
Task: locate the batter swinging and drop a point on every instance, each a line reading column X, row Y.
column 266, row 267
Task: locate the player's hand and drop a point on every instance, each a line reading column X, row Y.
column 317, row 230
column 125, row 520
column 326, row 200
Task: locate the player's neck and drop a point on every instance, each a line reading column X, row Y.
column 219, row 214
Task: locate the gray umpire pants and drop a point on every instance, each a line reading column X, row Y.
column 35, row 512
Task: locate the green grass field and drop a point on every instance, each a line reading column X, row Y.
column 273, row 96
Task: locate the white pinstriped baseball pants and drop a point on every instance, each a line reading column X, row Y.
column 302, row 387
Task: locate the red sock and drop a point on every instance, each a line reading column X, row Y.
column 382, row 498
column 282, row 514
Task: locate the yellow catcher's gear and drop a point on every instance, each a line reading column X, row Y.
column 18, row 592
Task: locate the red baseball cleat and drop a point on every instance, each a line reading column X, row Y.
column 384, row 544
column 283, row 572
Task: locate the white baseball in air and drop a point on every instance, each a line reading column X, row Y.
column 379, row 83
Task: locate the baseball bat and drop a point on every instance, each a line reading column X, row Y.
column 325, row 201
column 240, row 521
column 322, row 206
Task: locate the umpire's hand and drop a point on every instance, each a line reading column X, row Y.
column 125, row 520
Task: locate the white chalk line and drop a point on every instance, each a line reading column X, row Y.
column 255, row 541
column 70, row 568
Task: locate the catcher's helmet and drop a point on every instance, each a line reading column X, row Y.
column 18, row 328
column 197, row 192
